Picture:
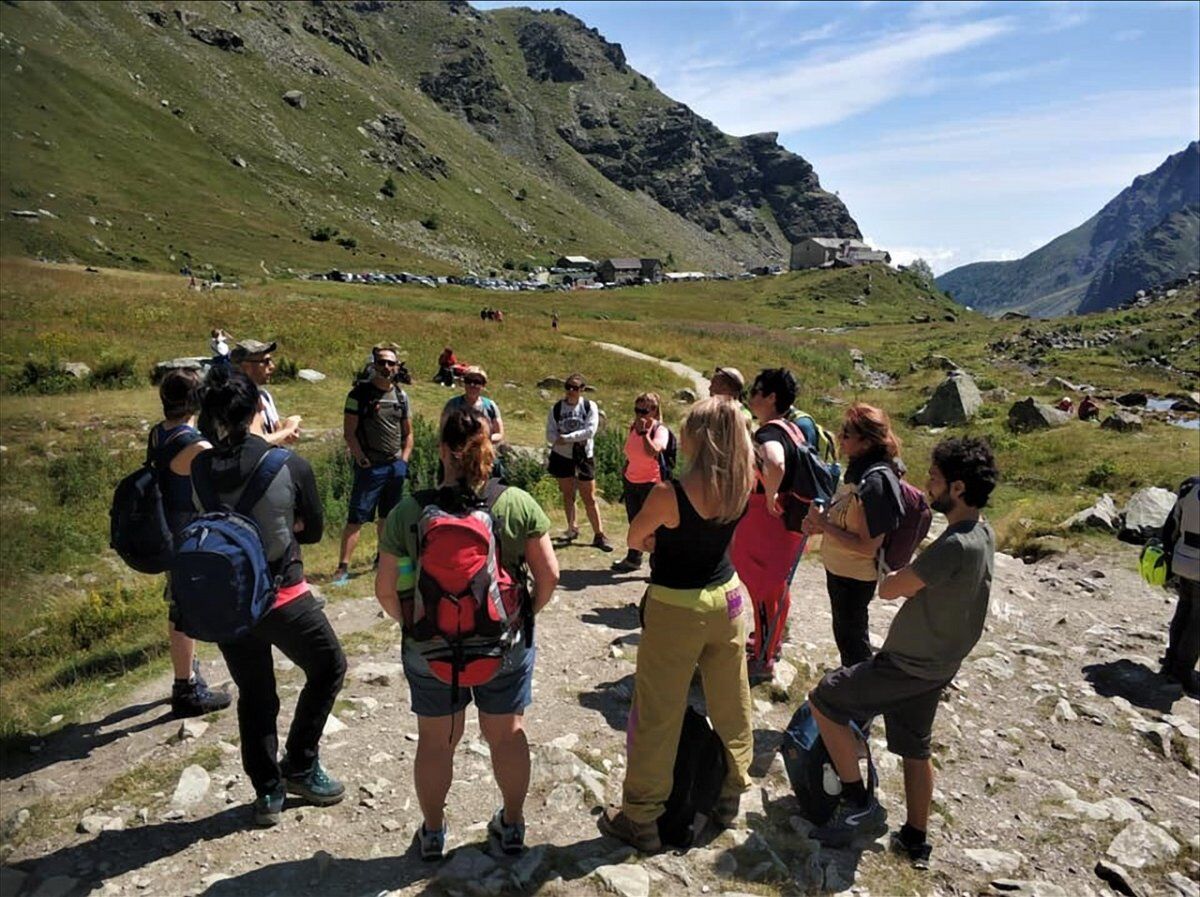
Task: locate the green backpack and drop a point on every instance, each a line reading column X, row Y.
column 826, row 447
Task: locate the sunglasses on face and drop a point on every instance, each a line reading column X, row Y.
column 474, row 382
column 386, row 363
column 574, row 388
column 848, row 433
column 640, row 410
column 261, row 360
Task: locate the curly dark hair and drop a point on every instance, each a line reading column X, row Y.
column 779, row 382
column 971, row 461
column 231, row 399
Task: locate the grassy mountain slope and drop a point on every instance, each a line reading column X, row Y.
column 1057, row 278
column 140, row 118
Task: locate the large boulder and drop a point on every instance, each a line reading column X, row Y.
column 194, row 363
column 1123, row 421
column 295, row 98
column 1103, row 515
column 1030, row 414
column 1146, row 513
column 955, row 401
column 1132, row 400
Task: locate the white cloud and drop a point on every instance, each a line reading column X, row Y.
column 832, row 85
column 930, row 10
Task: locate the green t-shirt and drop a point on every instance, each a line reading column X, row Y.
column 937, row 627
column 520, row 516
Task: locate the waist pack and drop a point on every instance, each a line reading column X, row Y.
column 221, row 582
column 901, row 543
column 467, row 611
column 700, row 770
column 807, row 479
column 138, row 528
column 810, row 769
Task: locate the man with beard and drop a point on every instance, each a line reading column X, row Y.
column 947, row 587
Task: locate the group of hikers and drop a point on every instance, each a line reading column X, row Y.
column 466, row 565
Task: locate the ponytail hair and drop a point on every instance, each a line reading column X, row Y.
column 231, row 400
column 468, row 436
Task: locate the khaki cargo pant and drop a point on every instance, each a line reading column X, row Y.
column 674, row 641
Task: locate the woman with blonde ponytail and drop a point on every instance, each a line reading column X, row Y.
column 694, row 615
column 524, row 547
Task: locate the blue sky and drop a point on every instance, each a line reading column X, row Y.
column 956, row 131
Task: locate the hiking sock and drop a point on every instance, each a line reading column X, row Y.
column 183, row 683
column 911, row 837
column 855, row 792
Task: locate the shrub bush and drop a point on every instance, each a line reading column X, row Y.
column 347, row 242
column 41, row 378
column 323, row 234
column 115, row 372
column 1101, row 474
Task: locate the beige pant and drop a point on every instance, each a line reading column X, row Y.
column 674, row 641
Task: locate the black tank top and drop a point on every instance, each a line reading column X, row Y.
column 695, row 554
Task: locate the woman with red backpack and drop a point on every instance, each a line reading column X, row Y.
column 866, row 507
column 452, row 572
column 645, row 447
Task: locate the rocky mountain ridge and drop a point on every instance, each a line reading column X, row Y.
column 1144, row 236
column 507, row 134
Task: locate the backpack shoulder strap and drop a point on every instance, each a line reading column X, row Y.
column 265, row 469
column 892, row 479
column 492, row 492
column 558, row 411
column 202, row 482
column 177, row 442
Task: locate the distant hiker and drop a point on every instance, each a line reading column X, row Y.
column 947, row 587
column 254, row 359
column 1089, row 409
column 867, row 506
column 449, row 367
column 571, row 428
column 765, row 551
column 554, row 321
column 645, row 445
column 1065, row 404
column 694, row 614
column 219, row 341
column 483, row 313
column 499, row 316
column 1181, row 541
column 441, row 540
column 172, row 446
column 475, row 381
column 289, row 513
column 377, row 427
column 191, row 281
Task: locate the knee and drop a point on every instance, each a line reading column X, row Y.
column 503, row 732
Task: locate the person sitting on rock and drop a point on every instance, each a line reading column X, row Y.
column 947, row 586
column 467, row 454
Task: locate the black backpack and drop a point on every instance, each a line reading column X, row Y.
column 700, row 770
column 810, row 768
column 138, row 528
column 668, row 456
column 807, row 479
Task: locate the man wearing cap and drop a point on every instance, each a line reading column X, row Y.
column 378, row 431
column 253, row 359
column 571, row 429
column 729, row 382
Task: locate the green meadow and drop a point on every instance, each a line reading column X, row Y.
column 75, row 621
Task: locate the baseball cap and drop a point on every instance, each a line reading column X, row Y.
column 733, row 375
column 249, row 347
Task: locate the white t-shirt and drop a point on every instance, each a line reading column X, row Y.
column 578, row 423
column 270, row 413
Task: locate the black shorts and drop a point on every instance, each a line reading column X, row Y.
column 877, row 686
column 563, row 468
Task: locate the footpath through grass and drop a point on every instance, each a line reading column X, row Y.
column 74, row 619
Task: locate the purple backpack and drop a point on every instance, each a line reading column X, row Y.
column 901, row 543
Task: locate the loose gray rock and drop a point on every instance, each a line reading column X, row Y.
column 94, row 823
column 377, row 673
column 1102, row 515
column 467, row 865
column 295, row 98
column 76, row 369
column 1145, row 514
column 1183, row 885
column 1123, row 421
column 308, row 375
column 1063, row 712
column 626, row 880
column 238, row 161
column 1142, row 844
column 1118, row 878
column 550, row 383
column 955, row 401
column 333, row 725
column 685, row 395
column 191, row 728
column 1030, row 414
column 994, row 862
column 192, row 787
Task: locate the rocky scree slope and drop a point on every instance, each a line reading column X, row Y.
column 1144, row 236
column 1064, row 767
column 256, row 134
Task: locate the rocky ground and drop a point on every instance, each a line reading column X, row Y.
column 1066, row 767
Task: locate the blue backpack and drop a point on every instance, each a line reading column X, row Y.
column 221, row 583
column 810, row 768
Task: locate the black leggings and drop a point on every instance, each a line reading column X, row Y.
column 302, row 632
column 635, row 497
column 848, row 600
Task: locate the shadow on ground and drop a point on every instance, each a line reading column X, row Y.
column 1135, row 682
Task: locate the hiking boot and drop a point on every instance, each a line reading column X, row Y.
column 268, row 806
column 341, row 577
column 726, row 810
column 850, row 822
column 314, row 785
column 511, row 838
column 432, row 844
column 194, row 698
column 197, row 676
column 918, row 854
column 571, row 534
column 759, row 672
column 627, row 565
column 601, row 542
column 642, row 836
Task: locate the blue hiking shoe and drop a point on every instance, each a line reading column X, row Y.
column 315, row 785
column 341, row 577
column 267, row 807
column 851, row 823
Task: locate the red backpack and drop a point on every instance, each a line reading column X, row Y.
column 901, row 544
column 467, row 610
